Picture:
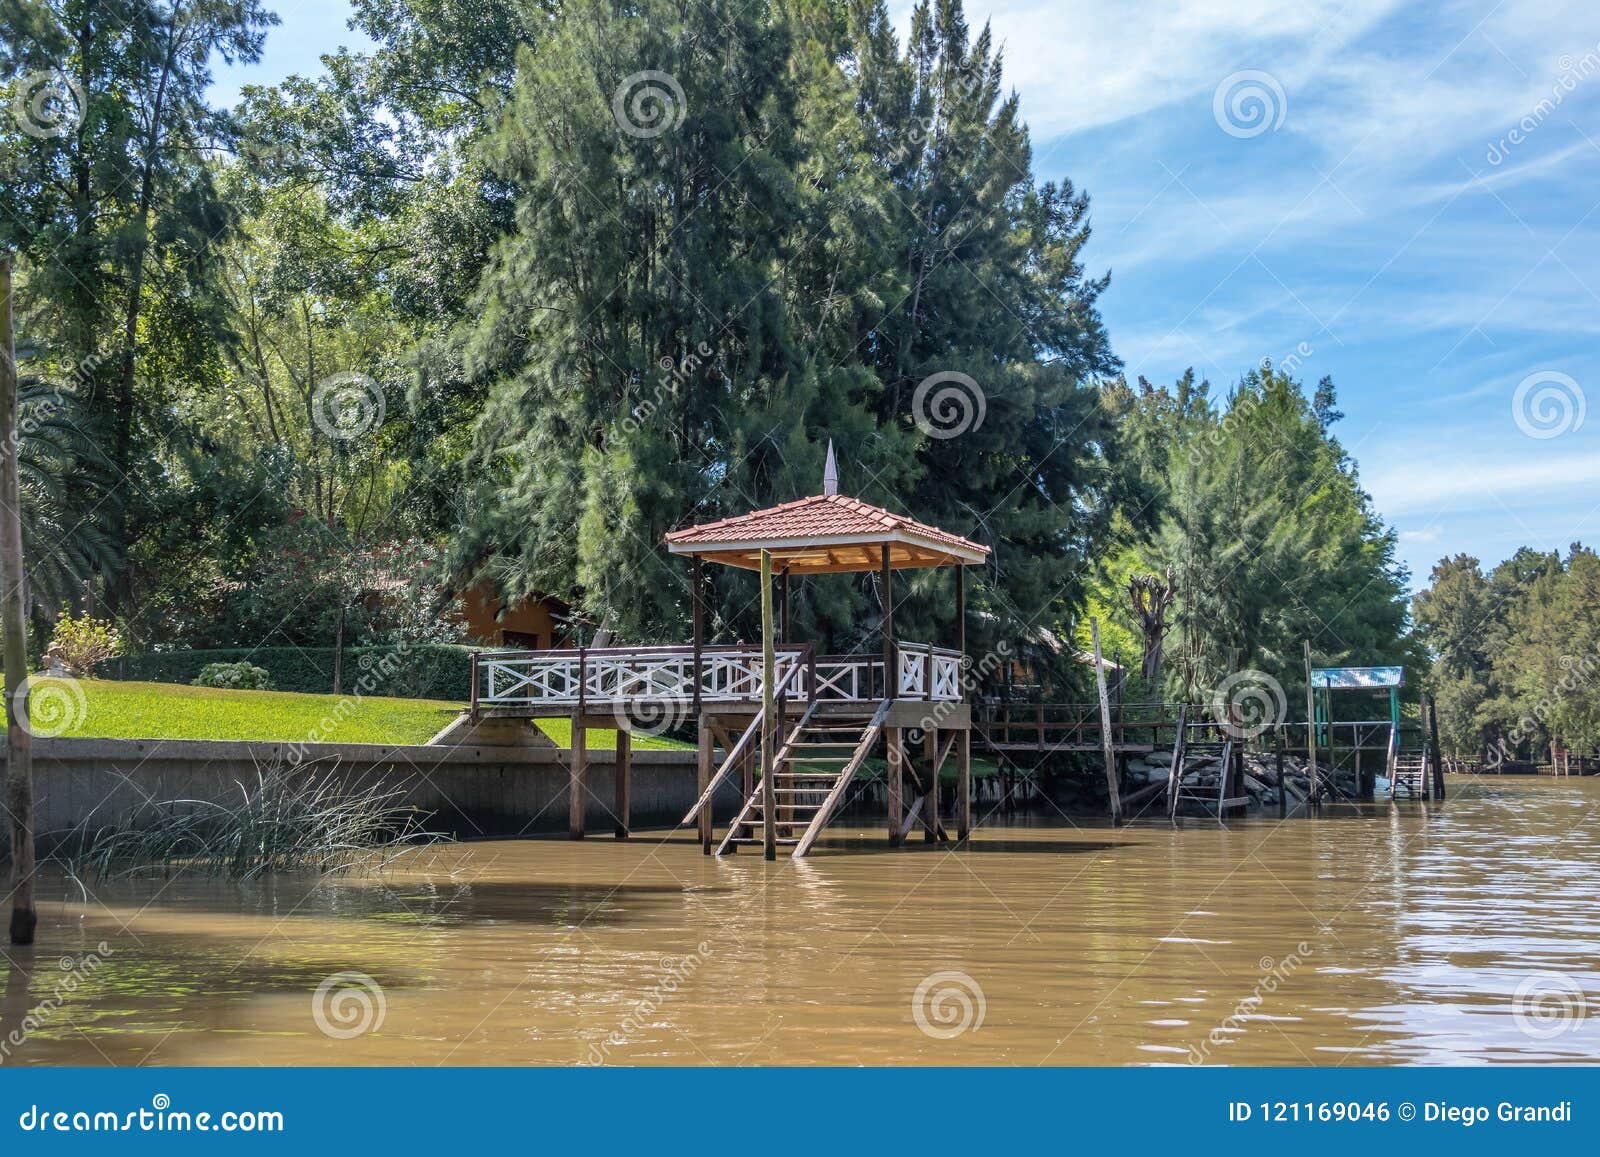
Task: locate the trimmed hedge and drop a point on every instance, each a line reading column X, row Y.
column 428, row 671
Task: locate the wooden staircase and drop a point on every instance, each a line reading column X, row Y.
column 813, row 767
column 1408, row 775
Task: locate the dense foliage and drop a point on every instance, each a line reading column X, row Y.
column 1516, row 653
column 532, row 283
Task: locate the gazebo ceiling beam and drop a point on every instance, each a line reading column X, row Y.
column 831, row 559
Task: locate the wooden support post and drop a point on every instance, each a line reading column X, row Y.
column 697, row 598
column 1438, row 759
column 930, row 799
column 964, row 784
column 894, row 753
column 1313, row 783
column 891, row 669
column 783, row 604
column 769, row 668
column 578, row 766
column 1283, row 798
column 1105, row 728
column 622, row 796
column 703, row 781
column 961, row 618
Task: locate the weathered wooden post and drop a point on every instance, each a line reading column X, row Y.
column 697, row 612
column 1438, row 758
column 769, row 664
column 1283, row 799
column 964, row 736
column 1106, row 742
column 891, row 669
column 622, row 796
column 1313, row 783
column 14, row 622
column 930, row 801
column 703, row 752
column 575, row 776
column 964, row 783
column 894, row 755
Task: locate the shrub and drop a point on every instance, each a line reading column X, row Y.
column 81, row 644
column 237, row 676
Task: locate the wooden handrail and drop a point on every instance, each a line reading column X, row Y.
column 731, row 759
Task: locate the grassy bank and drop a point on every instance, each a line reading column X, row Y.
column 104, row 709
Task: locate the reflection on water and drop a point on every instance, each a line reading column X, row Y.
column 1462, row 932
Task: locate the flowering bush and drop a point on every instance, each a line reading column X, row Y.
column 81, row 644
column 235, row 676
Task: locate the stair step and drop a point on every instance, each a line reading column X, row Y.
column 790, row 841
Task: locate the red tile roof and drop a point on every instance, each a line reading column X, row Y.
column 823, row 516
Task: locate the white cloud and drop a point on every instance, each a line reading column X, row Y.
column 1080, row 64
column 1417, row 485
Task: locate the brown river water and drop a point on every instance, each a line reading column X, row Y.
column 1457, row 933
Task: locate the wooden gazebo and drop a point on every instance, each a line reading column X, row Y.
column 808, row 721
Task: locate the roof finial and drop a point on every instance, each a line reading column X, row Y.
column 830, row 472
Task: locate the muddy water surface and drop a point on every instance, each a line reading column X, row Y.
column 1462, row 932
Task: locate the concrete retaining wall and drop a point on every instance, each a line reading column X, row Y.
column 471, row 790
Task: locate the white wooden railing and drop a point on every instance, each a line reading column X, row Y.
column 610, row 675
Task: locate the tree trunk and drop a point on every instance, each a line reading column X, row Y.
column 1151, row 597
column 338, row 655
column 14, row 625
column 117, row 588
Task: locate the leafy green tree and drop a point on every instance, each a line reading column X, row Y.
column 1261, row 517
column 109, row 199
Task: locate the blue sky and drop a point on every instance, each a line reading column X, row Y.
column 1337, row 181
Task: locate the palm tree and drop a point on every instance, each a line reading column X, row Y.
column 66, row 495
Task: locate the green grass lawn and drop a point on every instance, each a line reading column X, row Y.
column 104, row 709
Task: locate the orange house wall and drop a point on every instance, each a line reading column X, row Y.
column 487, row 625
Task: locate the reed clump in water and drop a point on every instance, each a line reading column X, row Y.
column 290, row 819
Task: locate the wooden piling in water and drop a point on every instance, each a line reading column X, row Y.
column 964, row 784
column 1106, row 741
column 703, row 781
column 894, row 753
column 577, row 766
column 622, row 797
